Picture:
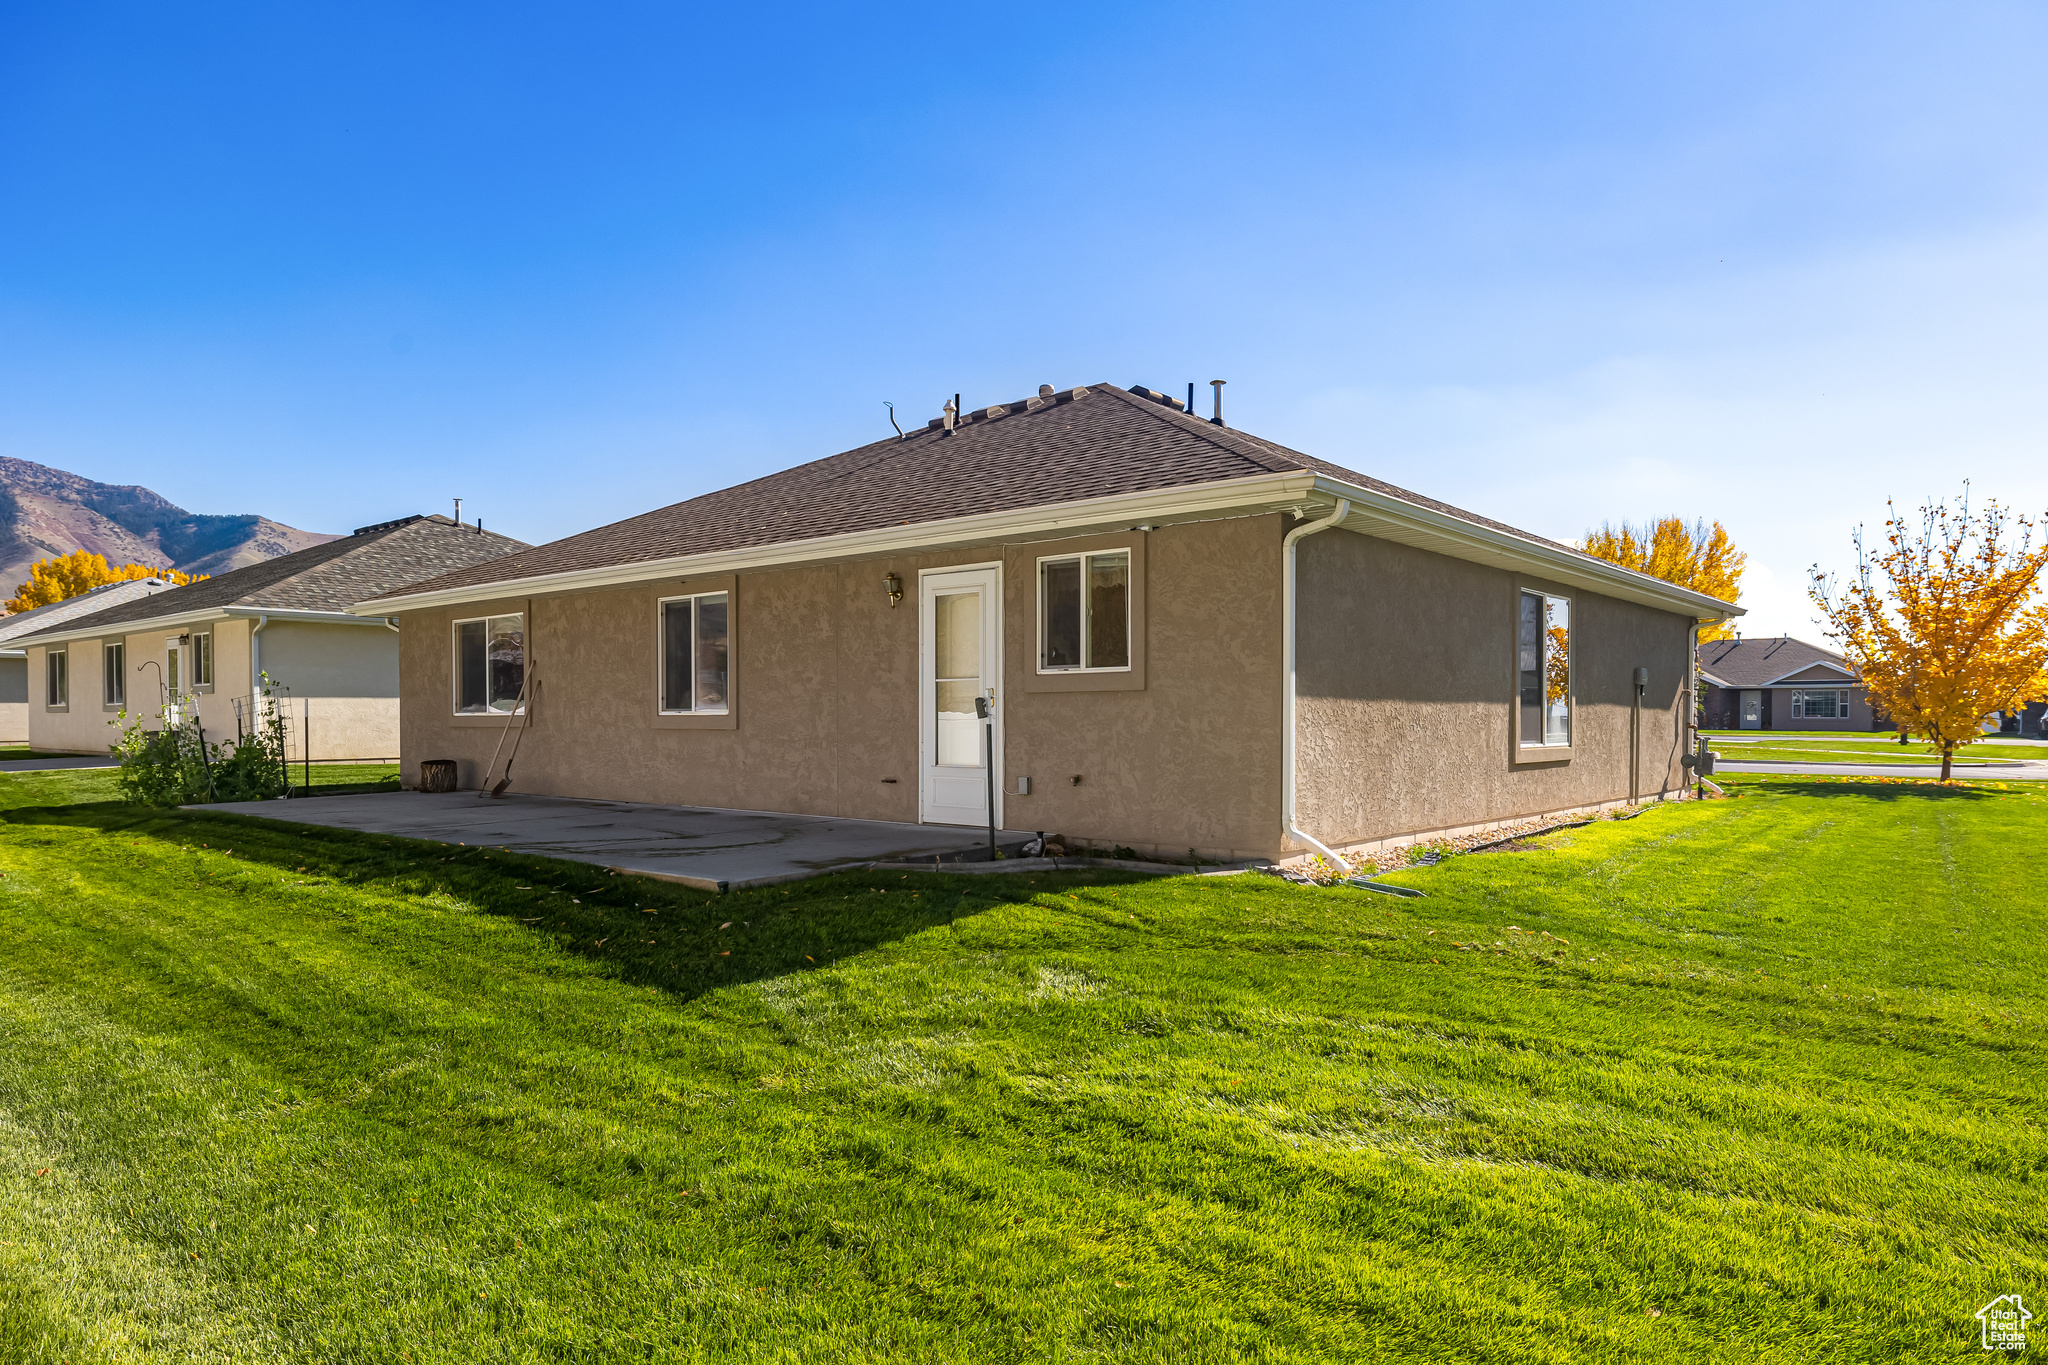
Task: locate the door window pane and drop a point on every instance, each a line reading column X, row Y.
column 956, row 659
column 1061, row 591
column 171, row 673
column 711, row 652
column 1109, row 612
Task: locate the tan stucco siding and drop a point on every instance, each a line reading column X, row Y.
column 1406, row 695
column 327, row 662
column 825, row 699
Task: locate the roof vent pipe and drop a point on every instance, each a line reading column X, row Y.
column 1191, row 398
column 458, row 511
column 949, row 414
column 1289, row 821
column 1217, row 420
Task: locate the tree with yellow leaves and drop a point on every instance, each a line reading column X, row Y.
column 66, row 576
column 1699, row 556
column 1952, row 634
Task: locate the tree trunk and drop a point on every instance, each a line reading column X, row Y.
column 1948, row 753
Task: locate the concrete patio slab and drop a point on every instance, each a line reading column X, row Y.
column 716, row 850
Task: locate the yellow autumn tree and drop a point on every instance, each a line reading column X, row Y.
column 1952, row 632
column 1699, row 556
column 66, row 576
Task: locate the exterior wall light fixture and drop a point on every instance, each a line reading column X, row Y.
column 893, row 585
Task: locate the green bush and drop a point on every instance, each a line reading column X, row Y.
column 173, row 765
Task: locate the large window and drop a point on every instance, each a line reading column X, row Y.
column 1832, row 704
column 202, row 660
column 57, row 679
column 1543, row 661
column 1084, row 612
column 114, row 674
column 490, row 666
column 696, row 654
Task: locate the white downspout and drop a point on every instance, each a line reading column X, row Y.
column 256, row 659
column 1287, row 747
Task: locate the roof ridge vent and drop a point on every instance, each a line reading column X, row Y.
column 1164, row 400
column 389, row 525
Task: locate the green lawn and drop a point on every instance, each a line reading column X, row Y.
column 1755, row 1079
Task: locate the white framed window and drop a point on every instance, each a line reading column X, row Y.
column 1084, row 612
column 1825, row 704
column 1543, row 670
column 696, row 654
column 201, row 651
column 490, row 665
column 57, row 679
column 114, row 674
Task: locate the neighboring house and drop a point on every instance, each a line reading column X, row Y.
column 206, row 644
column 1113, row 574
column 1779, row 683
column 14, row 659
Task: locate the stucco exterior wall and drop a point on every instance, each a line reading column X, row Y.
column 13, row 701
column 825, row 699
column 1406, row 692
column 325, row 661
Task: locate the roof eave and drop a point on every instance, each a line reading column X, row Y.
column 1372, row 513
column 85, row 630
column 1390, row 518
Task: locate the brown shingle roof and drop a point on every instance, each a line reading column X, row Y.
column 1091, row 442
column 1754, row 663
column 327, row 577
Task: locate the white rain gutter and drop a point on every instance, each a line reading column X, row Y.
column 1288, row 818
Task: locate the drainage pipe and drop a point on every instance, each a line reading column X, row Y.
column 1288, row 819
column 256, row 659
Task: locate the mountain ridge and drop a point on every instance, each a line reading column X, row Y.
column 46, row 511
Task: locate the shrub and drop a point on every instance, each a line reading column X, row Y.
column 173, row 765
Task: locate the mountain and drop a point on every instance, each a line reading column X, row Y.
column 45, row 512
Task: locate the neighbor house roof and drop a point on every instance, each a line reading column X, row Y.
column 1760, row 663
column 320, row 582
column 1094, row 457
column 40, row 619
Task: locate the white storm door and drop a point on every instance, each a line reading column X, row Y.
column 177, row 658
column 959, row 658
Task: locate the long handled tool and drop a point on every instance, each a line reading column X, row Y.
column 513, row 757
column 518, row 713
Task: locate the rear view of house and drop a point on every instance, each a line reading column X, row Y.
column 207, row 644
column 1086, row 611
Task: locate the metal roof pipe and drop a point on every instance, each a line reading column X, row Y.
column 1288, row 599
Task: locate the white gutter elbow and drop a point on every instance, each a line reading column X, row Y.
column 1288, row 766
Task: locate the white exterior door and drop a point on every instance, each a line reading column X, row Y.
column 959, row 631
column 177, row 678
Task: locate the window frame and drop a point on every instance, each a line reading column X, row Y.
column 1084, row 558
column 487, row 716
column 1024, row 613
column 708, row 585
column 1525, row 752
column 113, row 675
column 661, row 606
column 199, row 660
column 57, row 679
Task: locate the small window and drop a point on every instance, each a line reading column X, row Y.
column 1084, row 613
column 490, row 666
column 114, row 674
column 202, row 659
column 1544, row 665
column 57, row 666
column 696, row 654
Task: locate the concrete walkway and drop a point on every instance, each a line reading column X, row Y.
column 1975, row 772
column 715, row 850
column 38, row 765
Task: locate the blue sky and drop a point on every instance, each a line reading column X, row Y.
column 1555, row 264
